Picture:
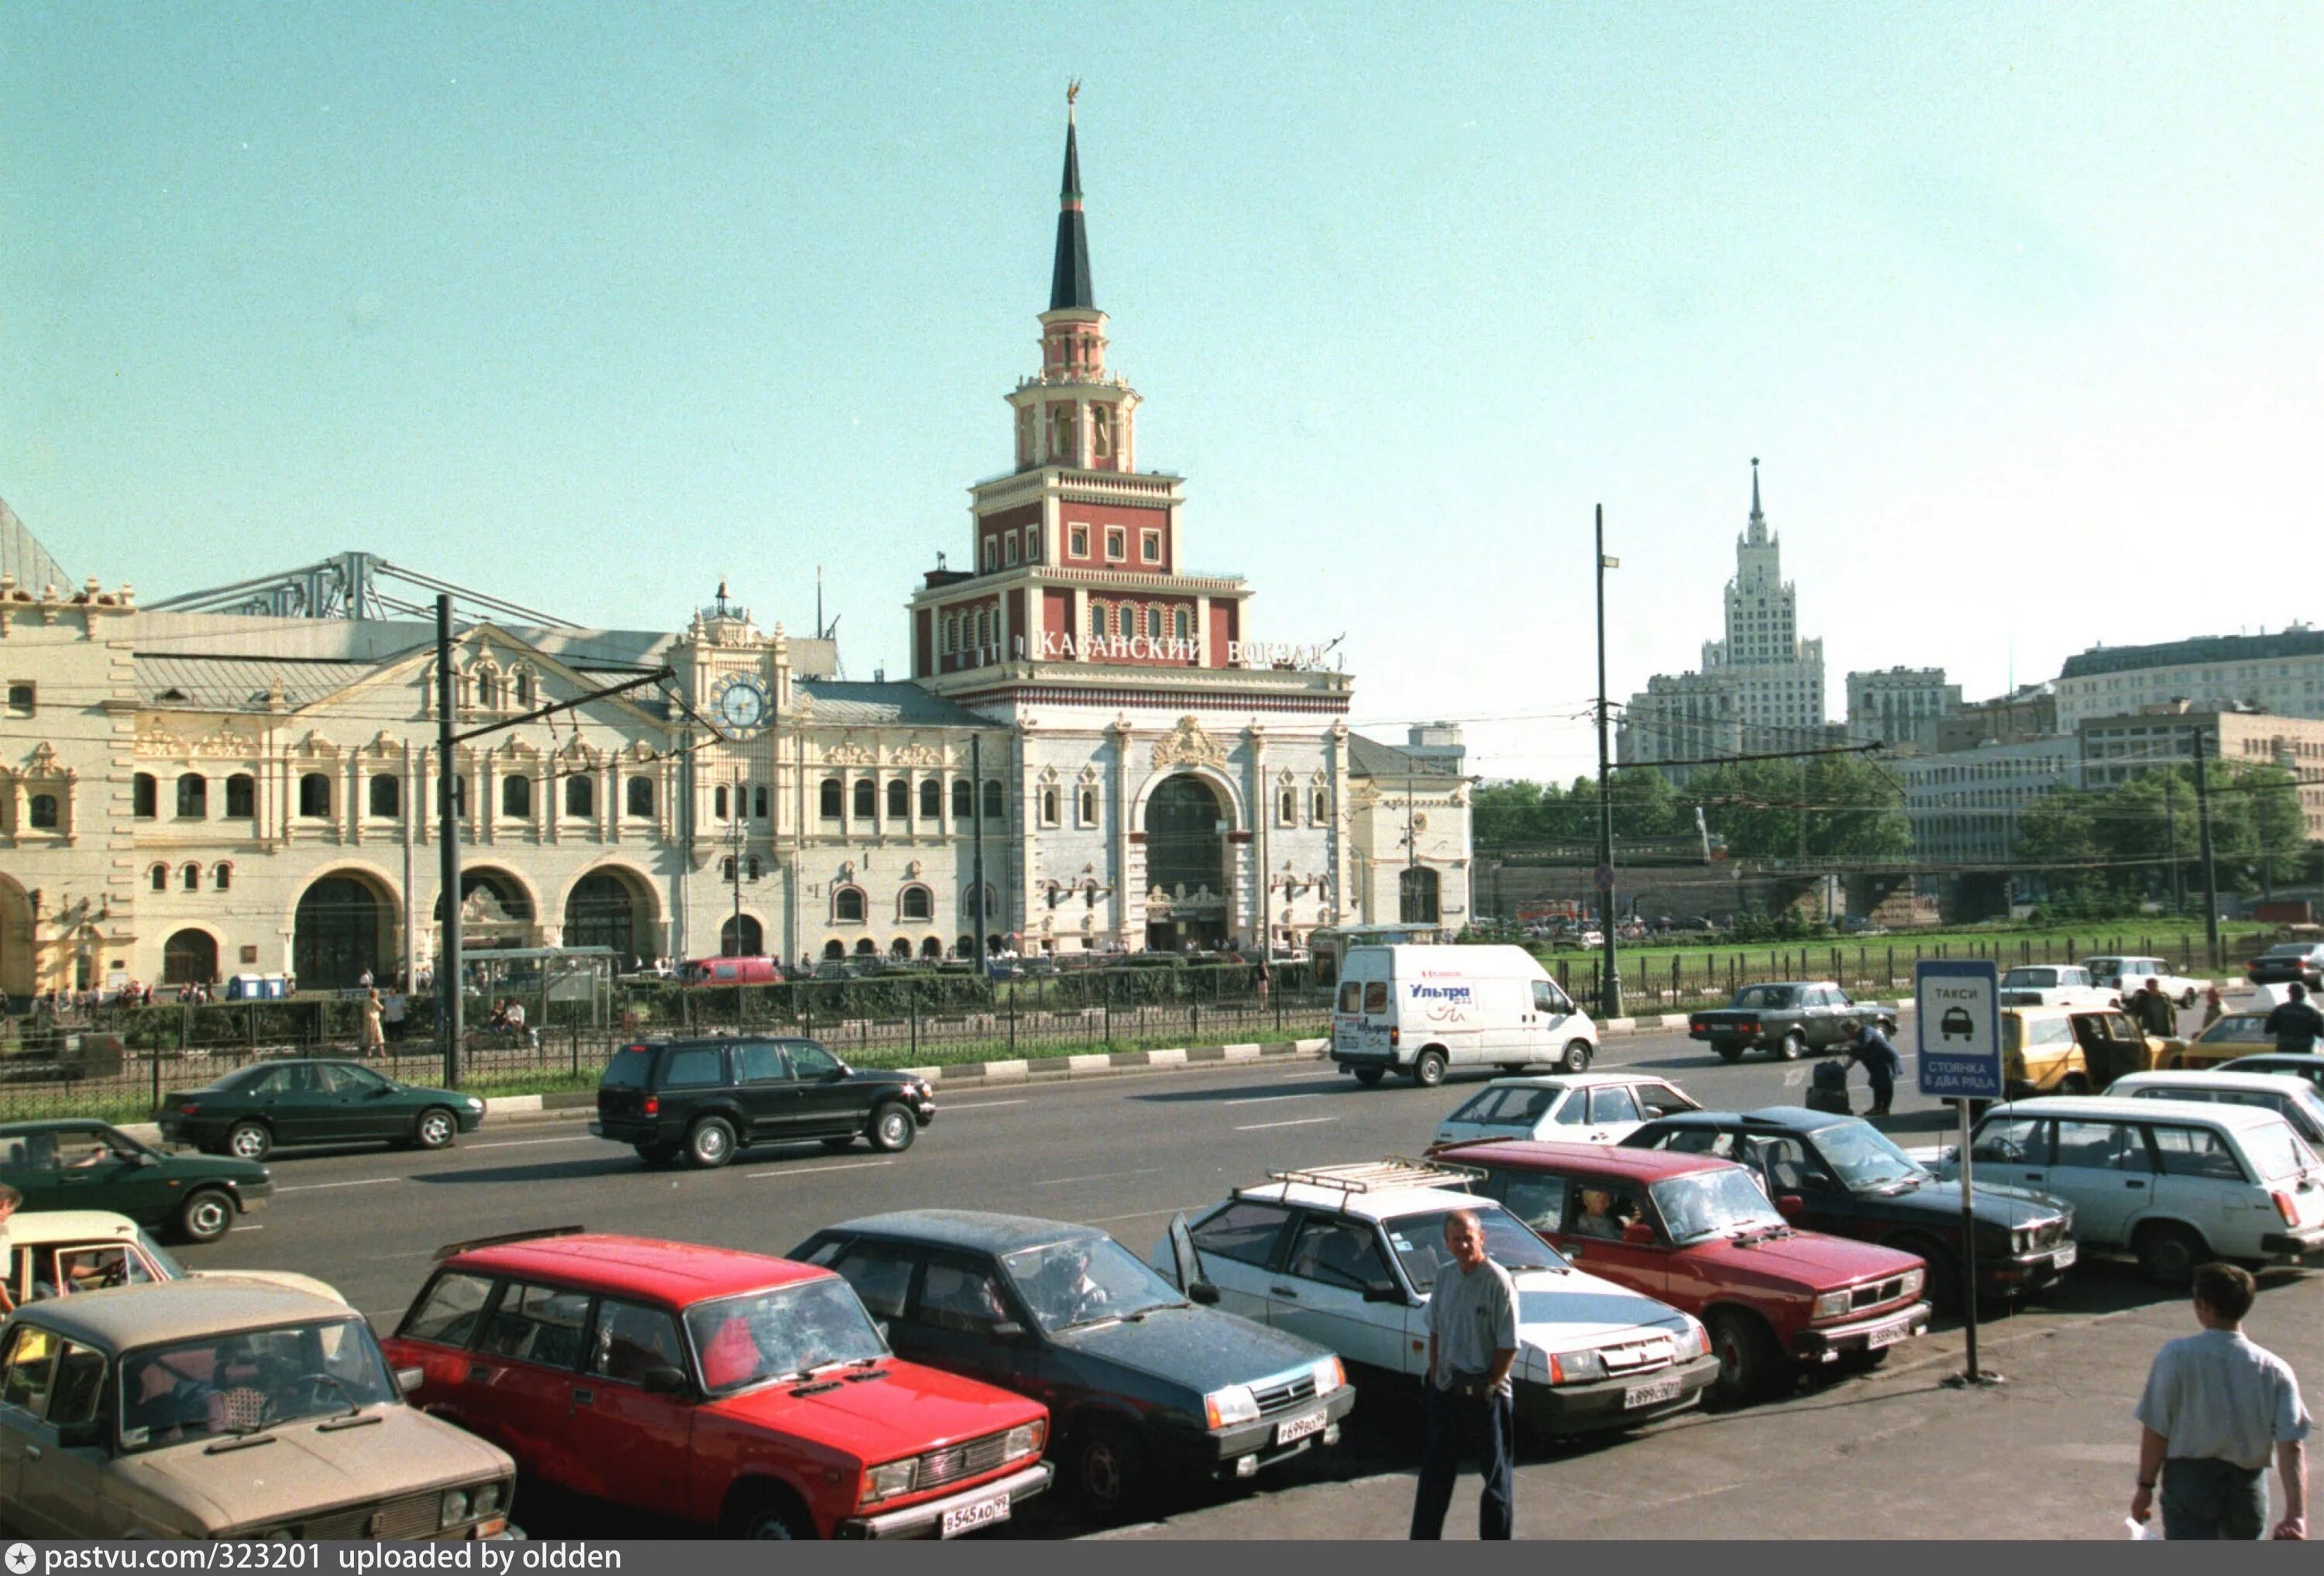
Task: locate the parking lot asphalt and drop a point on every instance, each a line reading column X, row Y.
column 1123, row 1153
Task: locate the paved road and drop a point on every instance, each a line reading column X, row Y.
column 1122, row 1153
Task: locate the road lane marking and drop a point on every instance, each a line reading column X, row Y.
column 811, row 1170
column 1102, row 1176
column 1263, row 1099
column 527, row 1143
column 359, row 1182
column 980, row 1105
column 1304, row 1121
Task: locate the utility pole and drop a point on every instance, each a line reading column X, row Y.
column 2210, row 872
column 2171, row 834
column 735, row 837
column 1610, row 987
column 448, row 838
column 976, row 844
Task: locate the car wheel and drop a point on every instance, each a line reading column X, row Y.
column 2168, row 1254
column 1729, row 1050
column 206, row 1217
column 1791, row 1046
column 1369, row 1077
column 1428, row 1069
column 710, row 1143
column 1750, row 1363
column 1943, row 1283
column 767, row 1513
column 1109, row 1472
column 250, row 1141
column 892, row 1129
column 1577, row 1056
column 435, row 1129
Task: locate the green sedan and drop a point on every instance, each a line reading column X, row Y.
column 253, row 1109
column 78, row 1162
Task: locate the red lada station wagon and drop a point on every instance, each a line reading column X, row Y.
column 747, row 1394
column 1697, row 1232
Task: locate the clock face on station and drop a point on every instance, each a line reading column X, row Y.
column 741, row 704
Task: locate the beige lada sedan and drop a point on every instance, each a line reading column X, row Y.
column 223, row 1408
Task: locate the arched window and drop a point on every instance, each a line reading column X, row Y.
column 1415, row 896
column 994, row 804
column 931, row 799
column 222, row 877
column 867, row 948
column 1286, row 808
column 901, row 947
column 759, row 803
column 161, row 878
column 917, row 904
column 190, row 877
column 931, row 948
column 143, row 797
column 964, row 799
column 1097, row 621
column 726, row 869
column 1153, row 624
column 386, row 794
column 963, row 946
column 42, row 812
column 640, row 792
column 488, row 691
column 516, row 797
column 1320, row 808
column 524, row 690
column 193, row 795
column 753, row 868
column 1049, row 806
column 718, row 801
column 847, row 905
column 190, row 958
column 834, row 798
column 899, row 799
column 867, row 799
column 580, row 795
column 1183, row 624
column 833, row 950
column 241, row 797
column 1089, row 805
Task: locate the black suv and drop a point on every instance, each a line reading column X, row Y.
column 706, row 1098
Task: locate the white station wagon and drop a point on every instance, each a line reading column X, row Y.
column 1347, row 1255
column 1573, row 1108
column 2172, row 1181
column 2289, row 1096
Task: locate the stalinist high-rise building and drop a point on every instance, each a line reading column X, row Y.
column 1761, row 689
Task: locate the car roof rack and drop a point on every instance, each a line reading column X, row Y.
column 505, row 1238
column 1381, row 1175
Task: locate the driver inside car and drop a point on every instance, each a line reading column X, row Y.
column 1598, row 1217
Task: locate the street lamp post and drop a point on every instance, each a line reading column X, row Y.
column 1610, row 987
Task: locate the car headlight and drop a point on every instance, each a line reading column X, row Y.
column 454, row 1509
column 488, row 1497
column 1574, row 1367
column 887, row 1482
column 1025, row 1439
column 1832, row 1305
column 1329, row 1375
column 1235, row 1403
column 2021, row 1240
column 475, row 1104
column 1695, row 1341
column 1913, row 1279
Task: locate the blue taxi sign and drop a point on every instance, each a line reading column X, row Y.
column 1959, row 1022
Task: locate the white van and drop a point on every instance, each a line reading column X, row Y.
column 1421, row 1011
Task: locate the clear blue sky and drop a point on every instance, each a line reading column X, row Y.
column 594, row 304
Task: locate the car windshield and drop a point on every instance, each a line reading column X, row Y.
column 2030, row 977
column 1864, row 1158
column 249, row 1381
column 628, row 1069
column 1090, row 1280
column 1712, row 1203
column 1419, row 1244
column 784, row 1333
column 169, row 1268
column 2240, row 1028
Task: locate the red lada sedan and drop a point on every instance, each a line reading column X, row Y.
column 1697, row 1232
column 747, row 1394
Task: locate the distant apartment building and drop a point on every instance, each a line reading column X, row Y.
column 2027, row 712
column 2116, row 749
column 1900, row 706
column 2281, row 673
column 1964, row 804
column 1759, row 690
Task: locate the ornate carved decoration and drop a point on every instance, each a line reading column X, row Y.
column 849, row 752
column 1189, row 745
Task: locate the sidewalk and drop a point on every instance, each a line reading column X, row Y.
column 2051, row 1454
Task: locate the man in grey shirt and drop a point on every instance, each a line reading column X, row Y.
column 2216, row 1407
column 1473, row 1344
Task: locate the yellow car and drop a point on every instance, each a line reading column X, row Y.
column 2071, row 1050
column 2238, row 1034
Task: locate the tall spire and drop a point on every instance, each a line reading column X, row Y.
column 1069, row 277
column 1758, row 519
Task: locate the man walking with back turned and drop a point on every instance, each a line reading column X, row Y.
column 2215, row 1408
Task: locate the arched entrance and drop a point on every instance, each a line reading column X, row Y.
column 344, row 927
column 495, row 911
column 1186, row 826
column 1415, row 896
column 740, row 938
column 18, row 978
column 611, row 907
column 190, row 957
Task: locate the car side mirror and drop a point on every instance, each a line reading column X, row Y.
column 881, row 1326
column 1383, row 1294
column 80, row 1436
column 1638, row 1234
column 1204, row 1293
column 144, row 1158
column 663, row 1379
column 1790, row 1206
column 409, row 1379
column 1008, row 1332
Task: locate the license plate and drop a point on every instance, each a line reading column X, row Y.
column 1296, row 1428
column 976, row 1512
column 1881, row 1335
column 1651, row 1395
column 2063, row 1258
